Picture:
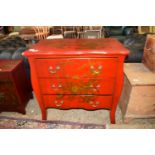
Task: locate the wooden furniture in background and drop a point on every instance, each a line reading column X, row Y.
column 79, row 31
column 145, row 29
column 149, row 52
column 15, row 89
column 56, row 30
column 94, row 32
column 138, row 96
column 77, row 73
column 69, row 32
column 41, row 32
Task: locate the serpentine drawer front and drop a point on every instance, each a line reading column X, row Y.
column 77, row 86
column 77, row 101
column 85, row 67
column 77, row 73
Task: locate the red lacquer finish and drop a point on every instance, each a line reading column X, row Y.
column 77, row 73
column 77, row 86
column 85, row 67
column 77, row 101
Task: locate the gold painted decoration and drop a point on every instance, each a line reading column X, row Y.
column 84, row 86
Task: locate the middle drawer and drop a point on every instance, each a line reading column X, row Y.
column 77, row 86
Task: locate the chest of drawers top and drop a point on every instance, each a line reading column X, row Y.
column 77, row 47
column 8, row 65
column 7, row 68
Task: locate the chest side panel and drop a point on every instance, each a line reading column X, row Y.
column 8, row 96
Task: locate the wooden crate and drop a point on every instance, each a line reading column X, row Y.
column 149, row 52
column 138, row 95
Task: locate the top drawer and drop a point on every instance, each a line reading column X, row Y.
column 76, row 67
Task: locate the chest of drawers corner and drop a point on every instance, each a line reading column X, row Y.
column 77, row 73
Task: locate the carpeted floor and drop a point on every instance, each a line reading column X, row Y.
column 18, row 123
column 69, row 119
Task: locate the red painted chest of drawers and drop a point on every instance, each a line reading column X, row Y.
column 14, row 86
column 77, row 73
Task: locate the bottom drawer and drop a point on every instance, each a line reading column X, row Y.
column 88, row 102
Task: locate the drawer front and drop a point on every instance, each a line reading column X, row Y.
column 77, row 67
column 81, row 86
column 88, row 102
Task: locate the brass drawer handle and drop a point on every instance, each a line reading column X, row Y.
column 94, row 104
column 58, row 103
column 92, row 67
column 54, row 86
column 100, row 67
column 91, row 86
column 53, row 71
column 96, row 71
column 57, row 67
column 98, row 86
column 59, row 86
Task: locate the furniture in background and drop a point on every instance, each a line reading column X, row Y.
column 34, row 33
column 129, row 37
column 41, row 32
column 89, row 32
column 55, row 36
column 135, row 43
column 28, row 34
column 145, row 29
column 67, row 73
column 138, row 95
column 79, row 31
column 119, row 32
column 11, row 43
column 149, row 52
column 2, row 35
column 15, row 89
column 11, row 48
column 92, row 32
column 56, row 30
column 6, row 29
column 69, row 32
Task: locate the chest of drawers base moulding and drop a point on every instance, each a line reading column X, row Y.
column 72, row 73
